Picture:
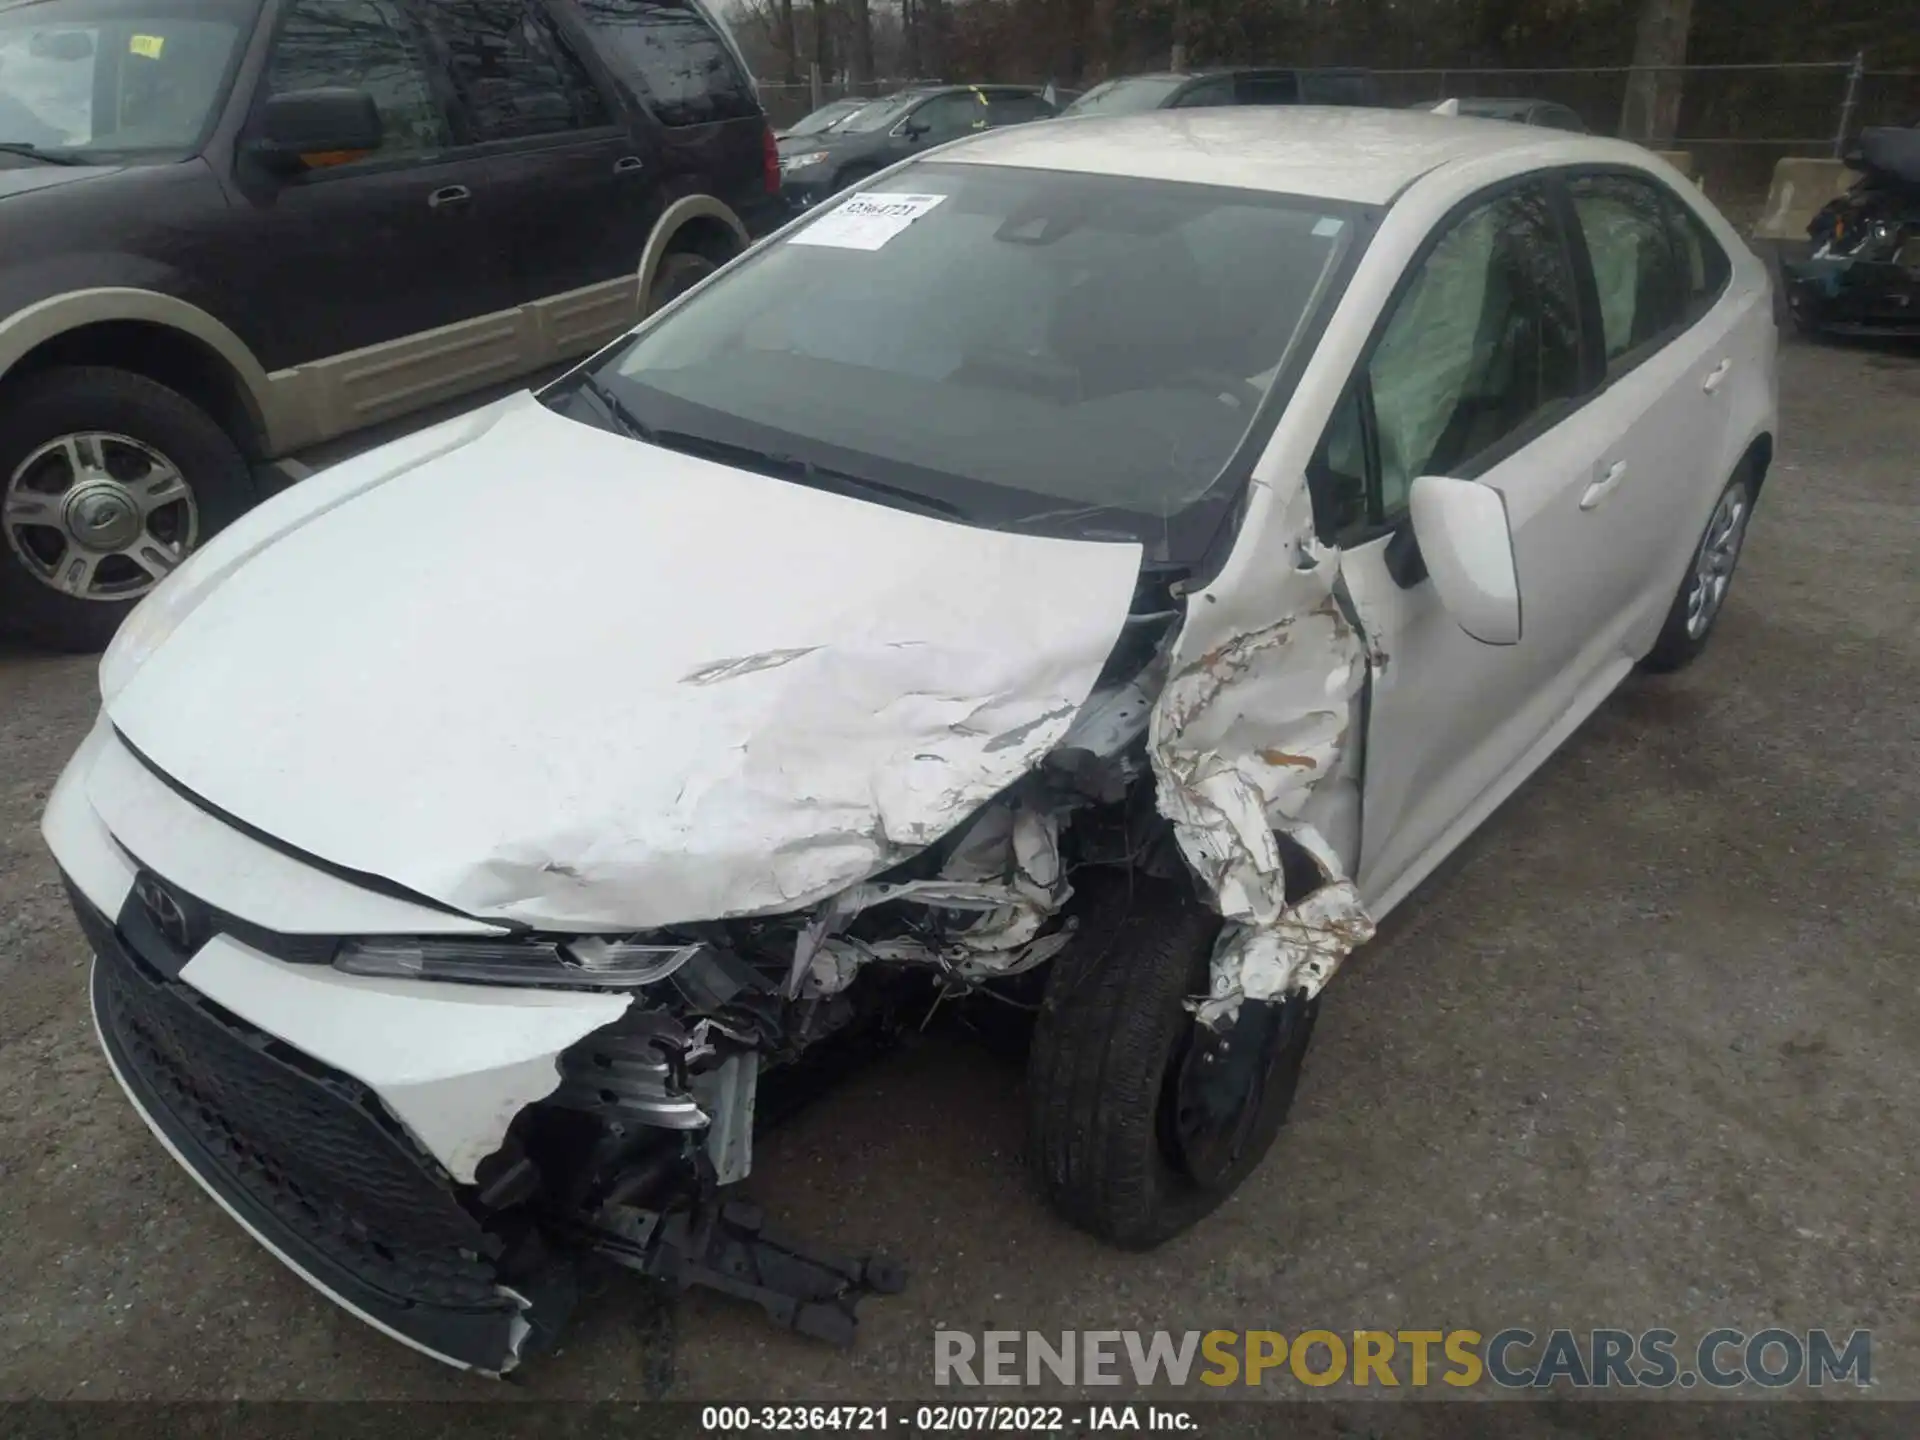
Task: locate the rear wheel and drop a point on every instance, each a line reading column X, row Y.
column 110, row 481
column 678, row 273
column 1140, row 1119
column 1697, row 606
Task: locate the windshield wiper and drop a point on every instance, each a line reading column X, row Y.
column 34, row 152
column 621, row 413
column 807, row 472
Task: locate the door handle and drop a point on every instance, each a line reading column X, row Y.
column 1603, row 487
column 628, row 165
column 1715, row 376
column 449, row 195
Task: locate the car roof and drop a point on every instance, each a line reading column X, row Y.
column 1332, row 152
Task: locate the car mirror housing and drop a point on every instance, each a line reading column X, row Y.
column 1467, row 542
column 317, row 128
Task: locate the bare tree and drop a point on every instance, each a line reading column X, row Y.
column 862, row 61
column 789, row 45
column 822, row 38
column 1651, row 112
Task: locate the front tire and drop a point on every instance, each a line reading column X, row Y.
column 1696, row 608
column 1130, row 1135
column 108, row 480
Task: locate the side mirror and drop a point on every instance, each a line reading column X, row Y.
column 913, row 129
column 1467, row 543
column 66, row 45
column 316, row 128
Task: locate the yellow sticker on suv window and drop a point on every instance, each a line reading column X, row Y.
column 149, row 46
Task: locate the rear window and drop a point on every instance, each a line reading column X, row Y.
column 673, row 57
column 1127, row 97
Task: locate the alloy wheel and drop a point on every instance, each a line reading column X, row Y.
column 98, row 516
column 1713, row 569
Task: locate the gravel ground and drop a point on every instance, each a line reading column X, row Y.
column 1644, row 1055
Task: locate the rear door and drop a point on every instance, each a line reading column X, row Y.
column 1477, row 371
column 706, row 122
column 574, row 192
column 300, row 251
column 1667, row 361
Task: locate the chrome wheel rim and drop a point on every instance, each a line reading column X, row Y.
column 99, row 516
column 1713, row 569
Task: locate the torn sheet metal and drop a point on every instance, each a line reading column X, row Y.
column 1002, row 883
column 716, row 694
column 1258, row 712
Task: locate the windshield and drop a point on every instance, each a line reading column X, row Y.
column 116, row 76
column 825, row 118
column 880, row 114
column 1070, row 353
column 1127, row 97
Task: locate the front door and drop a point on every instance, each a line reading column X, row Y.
column 1474, row 375
column 937, row 120
column 348, row 256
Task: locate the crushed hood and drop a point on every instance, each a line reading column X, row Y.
column 555, row 676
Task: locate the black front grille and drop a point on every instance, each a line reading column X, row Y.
column 307, row 1145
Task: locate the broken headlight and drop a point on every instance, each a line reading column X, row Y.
column 592, row 961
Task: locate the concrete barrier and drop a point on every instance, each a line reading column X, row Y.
column 1800, row 187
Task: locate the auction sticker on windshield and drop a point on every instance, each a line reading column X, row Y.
column 866, row 222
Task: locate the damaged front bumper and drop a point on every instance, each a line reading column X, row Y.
column 306, row 1160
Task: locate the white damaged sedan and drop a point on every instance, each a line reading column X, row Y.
column 1086, row 578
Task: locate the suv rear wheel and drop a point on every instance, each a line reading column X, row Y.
column 108, row 480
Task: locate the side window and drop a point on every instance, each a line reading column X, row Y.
column 1337, row 473
column 1482, row 342
column 1208, row 93
column 1279, row 89
column 1643, row 292
column 368, row 44
column 949, row 116
column 1016, row 109
column 1704, row 264
column 675, row 60
column 513, row 71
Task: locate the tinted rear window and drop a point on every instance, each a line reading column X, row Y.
column 674, row 59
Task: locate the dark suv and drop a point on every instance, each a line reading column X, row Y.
column 231, row 229
column 895, row 127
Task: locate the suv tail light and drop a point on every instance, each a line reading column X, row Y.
column 770, row 154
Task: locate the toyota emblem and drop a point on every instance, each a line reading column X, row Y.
column 166, row 912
